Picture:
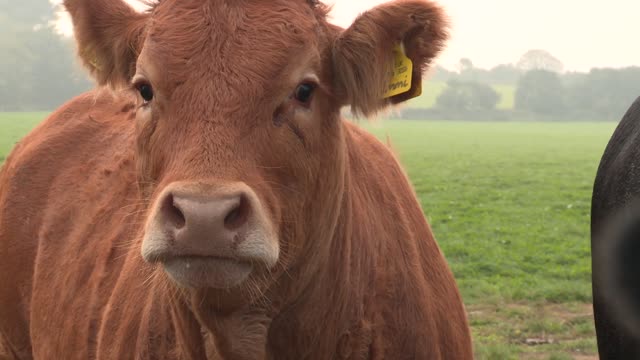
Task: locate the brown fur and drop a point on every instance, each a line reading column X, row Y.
column 109, row 36
column 360, row 275
column 363, row 53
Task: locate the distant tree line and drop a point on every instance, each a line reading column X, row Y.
column 601, row 94
column 39, row 71
column 542, row 92
column 38, row 68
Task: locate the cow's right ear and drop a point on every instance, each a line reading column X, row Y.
column 109, row 35
column 363, row 55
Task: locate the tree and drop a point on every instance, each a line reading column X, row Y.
column 539, row 60
column 29, row 12
column 440, row 73
column 504, row 74
column 467, row 96
column 38, row 70
column 603, row 93
column 469, row 73
column 465, row 65
column 56, row 75
column 540, row 92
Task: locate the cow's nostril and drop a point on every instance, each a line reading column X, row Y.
column 238, row 214
column 173, row 214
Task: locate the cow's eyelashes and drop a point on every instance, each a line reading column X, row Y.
column 145, row 90
column 304, row 92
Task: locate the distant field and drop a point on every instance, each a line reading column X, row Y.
column 507, row 96
column 433, row 89
column 13, row 126
column 509, row 204
column 430, row 92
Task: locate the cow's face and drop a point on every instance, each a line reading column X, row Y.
column 238, row 134
column 240, row 146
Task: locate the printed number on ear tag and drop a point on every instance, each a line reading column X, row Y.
column 400, row 78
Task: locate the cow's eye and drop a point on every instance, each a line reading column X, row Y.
column 304, row 92
column 146, row 91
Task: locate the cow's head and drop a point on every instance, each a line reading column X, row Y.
column 240, row 144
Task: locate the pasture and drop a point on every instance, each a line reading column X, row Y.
column 509, row 204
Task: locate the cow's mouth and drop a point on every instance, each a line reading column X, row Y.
column 207, row 271
column 210, row 235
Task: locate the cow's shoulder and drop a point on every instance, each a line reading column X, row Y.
column 388, row 221
column 386, row 206
column 62, row 189
column 91, row 129
column 83, row 148
column 375, row 167
column 367, row 150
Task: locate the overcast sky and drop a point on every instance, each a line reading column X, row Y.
column 581, row 33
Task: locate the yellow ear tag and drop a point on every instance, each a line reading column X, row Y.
column 400, row 78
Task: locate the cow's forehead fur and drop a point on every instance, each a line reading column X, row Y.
column 243, row 45
column 233, row 33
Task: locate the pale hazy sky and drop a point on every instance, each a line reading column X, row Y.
column 581, row 33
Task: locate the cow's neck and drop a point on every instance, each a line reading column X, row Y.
column 333, row 314
column 294, row 320
column 318, row 310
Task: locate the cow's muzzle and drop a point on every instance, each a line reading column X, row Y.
column 210, row 235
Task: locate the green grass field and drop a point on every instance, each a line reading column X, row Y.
column 509, row 204
column 13, row 126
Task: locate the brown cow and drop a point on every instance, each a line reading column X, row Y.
column 208, row 198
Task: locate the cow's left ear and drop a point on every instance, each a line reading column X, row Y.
column 364, row 59
column 109, row 34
